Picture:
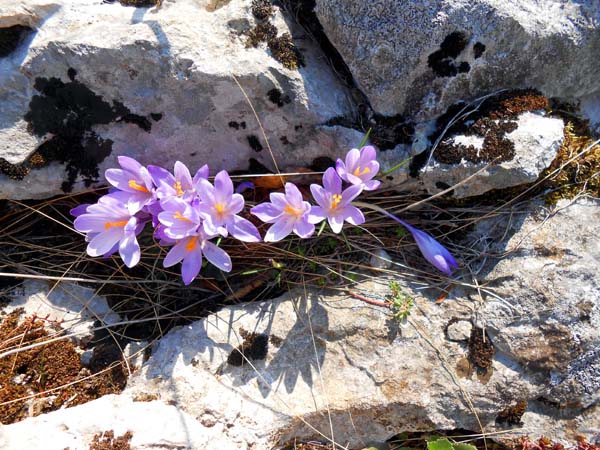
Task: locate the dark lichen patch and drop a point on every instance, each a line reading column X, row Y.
column 138, row 3
column 284, row 140
column 254, row 143
column 285, row 51
column 262, row 32
column 156, row 116
column 262, row 9
column 107, row 441
column 512, row 414
column 442, row 61
column 237, row 125
column 478, row 50
column 481, row 349
column 389, row 131
column 278, row 98
column 12, row 37
column 494, row 119
column 254, row 347
column 321, row 164
column 67, row 112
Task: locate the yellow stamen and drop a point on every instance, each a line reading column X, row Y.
column 138, row 187
column 191, row 245
column 358, row 172
column 121, row 223
column 220, row 207
column 178, row 189
column 335, row 201
column 291, row 210
column 180, row 216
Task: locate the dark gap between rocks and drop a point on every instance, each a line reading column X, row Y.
column 12, row 37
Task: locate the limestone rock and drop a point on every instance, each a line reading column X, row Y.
column 420, row 57
column 93, row 80
column 533, row 143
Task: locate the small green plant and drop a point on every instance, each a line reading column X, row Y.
column 438, row 443
column 401, row 303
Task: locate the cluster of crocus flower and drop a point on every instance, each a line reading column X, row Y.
column 188, row 212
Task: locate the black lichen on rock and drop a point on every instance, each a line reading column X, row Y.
column 237, row 125
column 389, row 131
column 254, row 143
column 442, row 61
column 137, row 3
column 12, row 37
column 68, row 112
column 277, row 97
column 481, row 349
column 478, row 49
column 254, row 347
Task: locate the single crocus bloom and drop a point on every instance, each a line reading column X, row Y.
column 191, row 249
column 219, row 208
column 334, row 205
column 177, row 185
column 288, row 212
column 179, row 218
column 359, row 168
column 111, row 227
column 134, row 179
column 432, row 250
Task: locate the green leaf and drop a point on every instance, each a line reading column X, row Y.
column 440, row 444
column 464, row 447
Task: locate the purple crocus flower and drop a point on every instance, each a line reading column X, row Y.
column 190, row 249
column 179, row 218
column 359, row 168
column 134, row 179
column 110, row 227
column 219, row 207
column 334, row 205
column 177, row 185
column 288, row 212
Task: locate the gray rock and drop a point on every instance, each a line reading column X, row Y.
column 419, row 57
column 536, row 141
column 98, row 80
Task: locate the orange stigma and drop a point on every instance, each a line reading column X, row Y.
column 178, row 188
column 109, row 225
column 358, row 172
column 138, row 187
column 335, row 201
column 291, row 210
column 180, row 216
column 191, row 245
column 220, row 207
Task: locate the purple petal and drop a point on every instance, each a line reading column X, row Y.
column 371, row 185
column 104, row 242
column 316, row 215
column 161, row 177
column 351, row 193
column 244, row 186
column 280, row 229
column 129, row 164
column 206, row 191
column 320, row 195
column 367, row 154
column 236, row 204
column 217, row 256
column 177, row 253
column 352, row 158
column 79, row 210
column 278, row 199
column 293, row 195
column 223, row 187
column 182, row 174
column 129, row 249
column 202, row 172
column 304, row 228
column 192, row 264
column 244, row 230
column 267, row 212
column 340, row 168
column 336, row 222
column 332, row 181
column 91, row 223
column 354, row 215
column 118, row 178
